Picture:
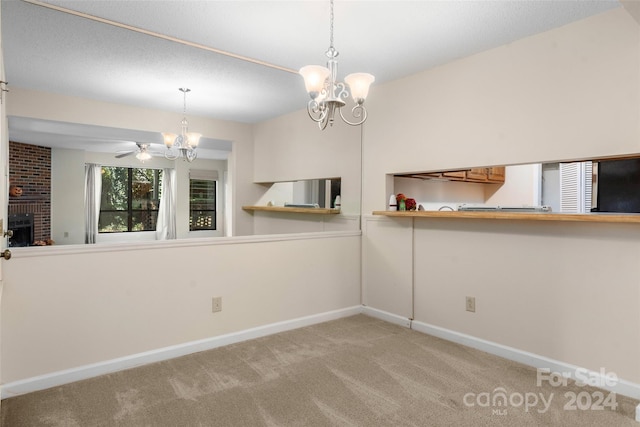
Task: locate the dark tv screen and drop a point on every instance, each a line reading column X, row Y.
column 619, row 186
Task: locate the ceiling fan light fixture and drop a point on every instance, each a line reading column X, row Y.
column 143, row 156
column 184, row 144
column 327, row 94
column 141, row 152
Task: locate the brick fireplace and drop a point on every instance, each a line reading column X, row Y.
column 30, row 170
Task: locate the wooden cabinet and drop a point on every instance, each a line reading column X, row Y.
column 490, row 175
column 477, row 174
column 496, row 174
column 493, row 174
column 455, row 174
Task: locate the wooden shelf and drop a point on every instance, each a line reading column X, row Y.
column 518, row 216
column 316, row 211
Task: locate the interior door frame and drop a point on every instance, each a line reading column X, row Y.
column 4, row 172
column 4, row 155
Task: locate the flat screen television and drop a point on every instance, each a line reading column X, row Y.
column 618, row 186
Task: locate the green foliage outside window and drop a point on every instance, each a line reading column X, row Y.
column 130, row 199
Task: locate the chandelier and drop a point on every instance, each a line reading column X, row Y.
column 327, row 94
column 185, row 144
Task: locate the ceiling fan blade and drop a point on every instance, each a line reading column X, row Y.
column 128, row 153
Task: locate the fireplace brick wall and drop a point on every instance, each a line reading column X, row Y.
column 30, row 170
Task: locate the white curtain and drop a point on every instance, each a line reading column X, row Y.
column 166, row 226
column 92, row 193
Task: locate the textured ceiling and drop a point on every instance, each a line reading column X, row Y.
column 54, row 51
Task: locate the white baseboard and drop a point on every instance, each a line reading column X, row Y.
column 386, row 316
column 625, row 388
column 58, row 378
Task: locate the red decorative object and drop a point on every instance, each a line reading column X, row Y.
column 410, row 204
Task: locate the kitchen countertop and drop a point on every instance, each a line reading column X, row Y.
column 518, row 216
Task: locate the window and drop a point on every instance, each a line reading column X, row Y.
column 202, row 200
column 130, row 199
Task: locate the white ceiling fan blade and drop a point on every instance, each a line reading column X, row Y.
column 128, row 153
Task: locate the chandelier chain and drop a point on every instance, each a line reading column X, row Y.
column 331, row 28
column 184, row 99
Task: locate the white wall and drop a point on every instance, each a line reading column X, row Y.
column 551, row 186
column 387, row 257
column 278, row 194
column 66, row 307
column 522, row 187
column 567, row 291
column 570, row 93
column 285, row 222
column 67, row 196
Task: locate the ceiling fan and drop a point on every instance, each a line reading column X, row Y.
column 142, row 152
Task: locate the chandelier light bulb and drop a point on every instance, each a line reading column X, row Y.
column 169, row 138
column 359, row 84
column 315, row 77
column 193, row 139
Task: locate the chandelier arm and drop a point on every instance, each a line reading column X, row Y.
column 358, row 111
column 322, row 125
column 191, row 155
column 342, row 91
column 331, row 111
column 316, row 111
column 171, row 155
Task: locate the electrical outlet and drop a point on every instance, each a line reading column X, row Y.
column 471, row 304
column 216, row 304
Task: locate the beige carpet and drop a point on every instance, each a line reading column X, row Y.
column 356, row 371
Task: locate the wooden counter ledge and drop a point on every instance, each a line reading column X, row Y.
column 318, row 211
column 517, row 216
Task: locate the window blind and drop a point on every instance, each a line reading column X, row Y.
column 576, row 185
